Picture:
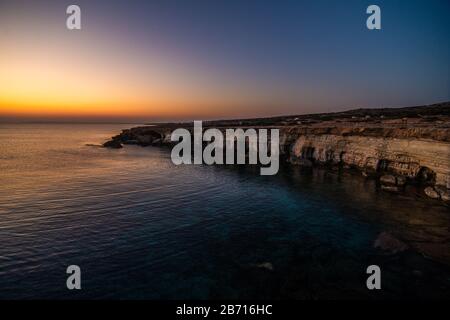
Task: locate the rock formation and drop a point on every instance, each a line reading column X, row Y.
column 397, row 146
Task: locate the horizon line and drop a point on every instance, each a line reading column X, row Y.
column 95, row 120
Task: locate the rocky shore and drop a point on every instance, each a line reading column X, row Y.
column 397, row 146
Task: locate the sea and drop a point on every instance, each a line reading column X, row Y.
column 139, row 227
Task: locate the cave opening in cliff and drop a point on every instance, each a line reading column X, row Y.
column 382, row 165
column 426, row 176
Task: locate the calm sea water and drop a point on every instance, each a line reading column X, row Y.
column 140, row 227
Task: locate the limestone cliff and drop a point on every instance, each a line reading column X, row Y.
column 398, row 146
column 416, row 160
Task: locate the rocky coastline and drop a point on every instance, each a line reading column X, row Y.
column 396, row 146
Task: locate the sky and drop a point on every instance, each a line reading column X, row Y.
column 212, row 59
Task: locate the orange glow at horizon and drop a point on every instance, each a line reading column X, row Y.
column 49, row 71
column 54, row 87
column 41, row 83
column 80, row 77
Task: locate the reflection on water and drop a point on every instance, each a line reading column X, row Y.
column 140, row 227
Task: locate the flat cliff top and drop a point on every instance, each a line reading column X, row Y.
column 421, row 122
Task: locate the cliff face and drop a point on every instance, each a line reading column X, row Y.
column 419, row 161
column 397, row 146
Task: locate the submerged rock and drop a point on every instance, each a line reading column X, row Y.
column 387, row 242
column 417, row 273
column 263, row 265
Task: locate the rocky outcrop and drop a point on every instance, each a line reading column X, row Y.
column 429, row 191
column 143, row 136
column 115, row 144
column 444, row 193
column 395, row 161
column 437, row 192
column 396, row 146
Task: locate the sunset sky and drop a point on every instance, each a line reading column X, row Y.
column 173, row 60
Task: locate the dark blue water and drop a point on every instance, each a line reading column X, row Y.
column 140, row 227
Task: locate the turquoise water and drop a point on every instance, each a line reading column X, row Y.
column 140, row 227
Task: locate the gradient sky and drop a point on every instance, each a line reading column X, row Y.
column 172, row 60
